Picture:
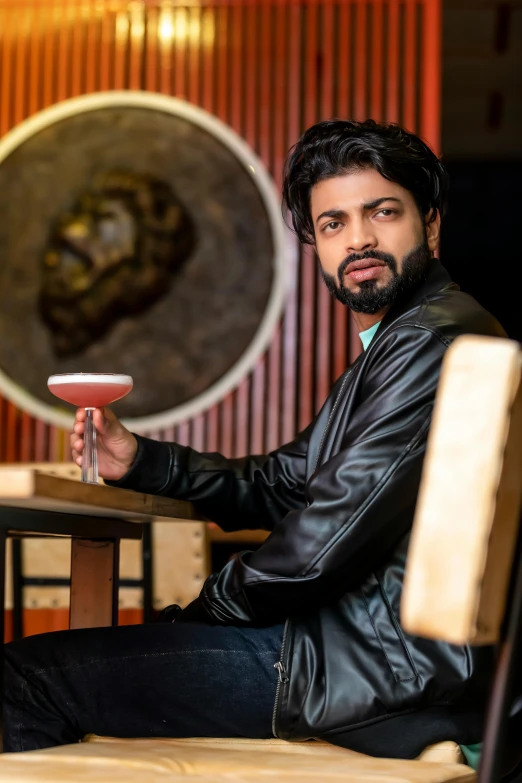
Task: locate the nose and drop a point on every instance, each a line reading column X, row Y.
column 360, row 236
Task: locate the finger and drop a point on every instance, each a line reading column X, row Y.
column 79, row 427
column 80, row 414
column 78, row 461
column 78, row 445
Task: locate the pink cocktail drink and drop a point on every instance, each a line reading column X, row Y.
column 90, row 391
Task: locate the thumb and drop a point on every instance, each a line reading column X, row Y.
column 107, row 423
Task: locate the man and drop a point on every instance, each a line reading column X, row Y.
column 300, row 638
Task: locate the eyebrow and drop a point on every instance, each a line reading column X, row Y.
column 339, row 213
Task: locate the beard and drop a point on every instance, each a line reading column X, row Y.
column 371, row 297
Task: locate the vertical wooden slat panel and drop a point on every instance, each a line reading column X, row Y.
column 11, row 432
column 273, row 359
column 34, row 62
column 137, row 31
column 308, row 260
column 212, row 429
column 6, row 95
column 289, row 338
column 197, row 434
column 2, row 429
column 242, row 422
column 121, row 33
column 221, row 96
column 344, row 97
column 251, row 86
column 392, row 92
column 55, row 451
column 207, row 103
column 324, row 299
column 431, row 73
column 376, row 93
column 343, row 103
column 410, row 65
column 181, row 32
column 40, row 441
column 207, row 31
column 77, row 53
column 151, row 52
column 195, row 46
column 239, row 422
column 26, row 438
column 226, row 440
column 221, row 72
column 360, row 112
column 91, row 47
column 63, row 23
column 235, row 408
column 183, row 434
column 49, row 26
column 107, row 37
column 23, row 25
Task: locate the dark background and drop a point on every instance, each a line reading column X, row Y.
column 482, row 150
column 481, row 246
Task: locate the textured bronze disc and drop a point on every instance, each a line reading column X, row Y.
column 134, row 241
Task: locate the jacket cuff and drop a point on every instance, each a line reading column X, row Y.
column 151, row 470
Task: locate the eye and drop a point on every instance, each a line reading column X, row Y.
column 333, row 225
column 386, row 212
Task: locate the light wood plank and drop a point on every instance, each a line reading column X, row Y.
column 217, row 760
column 94, row 583
column 29, row 488
column 468, row 510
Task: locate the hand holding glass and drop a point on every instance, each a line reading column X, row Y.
column 90, row 391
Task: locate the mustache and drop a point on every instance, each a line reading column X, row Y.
column 379, row 255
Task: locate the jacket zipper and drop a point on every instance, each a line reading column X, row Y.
column 282, row 677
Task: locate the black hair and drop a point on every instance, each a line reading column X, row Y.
column 335, row 147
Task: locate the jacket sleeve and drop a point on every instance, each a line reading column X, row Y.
column 361, row 500
column 255, row 492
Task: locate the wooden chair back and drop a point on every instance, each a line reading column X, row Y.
column 463, row 579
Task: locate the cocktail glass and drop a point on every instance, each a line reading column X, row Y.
column 90, row 391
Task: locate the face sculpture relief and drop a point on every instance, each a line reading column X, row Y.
column 114, row 255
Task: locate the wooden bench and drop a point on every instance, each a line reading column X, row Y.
column 457, row 588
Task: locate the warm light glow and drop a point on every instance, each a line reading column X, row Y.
column 122, row 25
column 137, row 17
column 166, row 29
column 181, row 25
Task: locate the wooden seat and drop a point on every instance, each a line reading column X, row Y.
column 456, row 589
column 241, row 761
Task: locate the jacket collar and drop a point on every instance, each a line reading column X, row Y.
column 437, row 279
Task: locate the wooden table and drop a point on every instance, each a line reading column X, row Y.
column 95, row 517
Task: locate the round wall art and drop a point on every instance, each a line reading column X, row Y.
column 139, row 235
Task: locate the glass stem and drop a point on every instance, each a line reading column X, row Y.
column 90, row 455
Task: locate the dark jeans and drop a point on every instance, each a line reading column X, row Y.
column 155, row 680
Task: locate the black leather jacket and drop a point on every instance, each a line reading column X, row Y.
column 339, row 501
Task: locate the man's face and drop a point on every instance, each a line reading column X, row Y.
column 372, row 243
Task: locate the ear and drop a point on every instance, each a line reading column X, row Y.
column 432, row 230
